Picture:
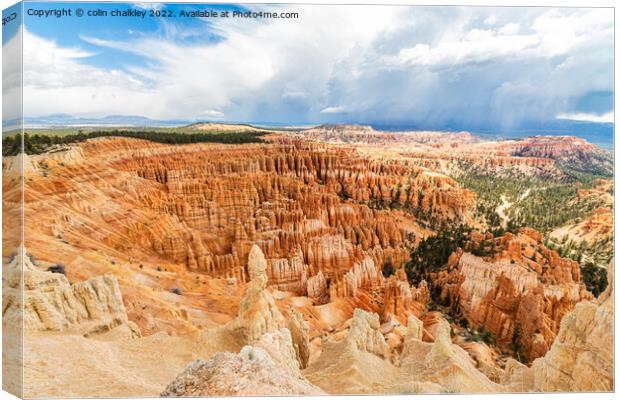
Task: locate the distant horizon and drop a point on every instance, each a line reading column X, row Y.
column 598, row 133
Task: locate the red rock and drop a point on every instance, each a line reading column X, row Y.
column 521, row 293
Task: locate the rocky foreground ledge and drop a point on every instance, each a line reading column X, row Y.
column 580, row 359
column 260, row 352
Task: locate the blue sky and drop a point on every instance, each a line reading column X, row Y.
column 477, row 68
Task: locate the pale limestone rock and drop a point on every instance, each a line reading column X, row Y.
column 349, row 367
column 250, row 373
column 51, row 303
column 581, row 357
column 443, row 363
column 257, row 265
column 517, row 377
column 299, row 332
column 279, row 345
column 365, row 333
column 415, row 328
column 258, row 313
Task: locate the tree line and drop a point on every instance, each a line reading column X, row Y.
column 40, row 143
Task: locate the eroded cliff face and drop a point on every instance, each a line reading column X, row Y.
column 258, row 353
column 581, row 358
column 251, row 372
column 184, row 218
column 273, row 353
column 450, row 152
column 309, row 209
column 50, row 303
column 556, row 147
column 269, row 258
column 520, row 293
column 367, row 135
column 421, row 363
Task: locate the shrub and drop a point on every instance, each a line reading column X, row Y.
column 57, row 269
column 486, row 336
column 594, row 277
column 388, row 269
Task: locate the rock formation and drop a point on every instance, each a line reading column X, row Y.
column 365, row 334
column 310, row 208
column 520, row 294
column 259, row 316
column 350, row 366
column 402, row 300
column 51, row 303
column 284, row 260
column 270, row 362
column 353, row 364
column 581, row 358
column 258, row 313
column 553, row 147
column 176, row 219
column 252, row 372
column 367, row 135
column 442, row 362
column 299, row 335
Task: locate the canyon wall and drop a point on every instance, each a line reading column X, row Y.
column 520, row 293
column 327, row 219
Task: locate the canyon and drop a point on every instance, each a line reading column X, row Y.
column 284, row 266
column 520, row 294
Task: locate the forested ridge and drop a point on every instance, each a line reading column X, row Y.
column 40, row 143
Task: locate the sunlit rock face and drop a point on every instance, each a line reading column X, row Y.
column 520, row 294
column 254, row 371
column 305, row 207
column 581, row 358
column 49, row 303
column 281, row 265
column 184, row 218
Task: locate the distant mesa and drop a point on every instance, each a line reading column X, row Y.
column 213, row 126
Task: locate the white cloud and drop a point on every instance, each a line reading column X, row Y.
column 334, row 110
column 57, row 80
column 553, row 34
column 371, row 62
column 149, row 6
column 588, row 117
column 491, row 20
column 478, row 45
column 213, row 114
column 510, row 29
column 257, row 60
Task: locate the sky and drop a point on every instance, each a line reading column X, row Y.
column 477, row 68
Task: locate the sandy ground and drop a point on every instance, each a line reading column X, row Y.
column 58, row 365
